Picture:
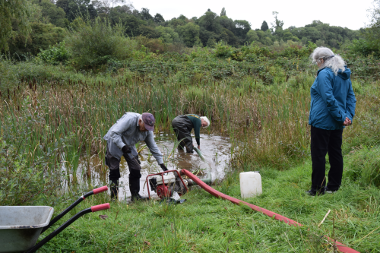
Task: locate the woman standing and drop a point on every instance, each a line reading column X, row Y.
column 332, row 108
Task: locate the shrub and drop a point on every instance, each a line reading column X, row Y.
column 95, row 44
column 223, row 50
column 41, row 37
column 55, row 54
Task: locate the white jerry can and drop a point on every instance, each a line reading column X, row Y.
column 250, row 184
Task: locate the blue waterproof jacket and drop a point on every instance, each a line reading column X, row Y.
column 332, row 99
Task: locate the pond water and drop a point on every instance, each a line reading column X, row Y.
column 215, row 149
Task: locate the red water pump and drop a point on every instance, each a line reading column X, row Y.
column 166, row 183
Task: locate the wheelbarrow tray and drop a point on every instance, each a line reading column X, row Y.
column 20, row 226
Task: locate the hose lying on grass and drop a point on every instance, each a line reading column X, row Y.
column 340, row 246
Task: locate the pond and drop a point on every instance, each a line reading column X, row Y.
column 215, row 149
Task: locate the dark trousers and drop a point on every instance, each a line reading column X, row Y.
column 134, row 171
column 182, row 127
column 323, row 142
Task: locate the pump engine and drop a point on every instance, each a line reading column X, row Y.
column 166, row 183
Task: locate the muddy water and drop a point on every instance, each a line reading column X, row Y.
column 216, row 151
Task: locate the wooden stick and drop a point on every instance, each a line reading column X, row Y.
column 324, row 218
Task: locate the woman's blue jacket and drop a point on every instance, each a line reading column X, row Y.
column 332, row 99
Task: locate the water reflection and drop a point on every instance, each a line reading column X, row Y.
column 215, row 150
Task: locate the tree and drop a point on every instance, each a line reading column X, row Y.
column 158, row 19
column 105, row 6
column 13, row 10
column 51, row 12
column 77, row 8
column 252, row 36
column 372, row 32
column 167, row 34
column 278, row 24
column 241, row 28
column 223, row 12
column 41, row 37
column 145, row 15
column 226, row 23
column 209, row 22
column 264, row 26
column 175, row 22
column 149, row 32
column 189, row 33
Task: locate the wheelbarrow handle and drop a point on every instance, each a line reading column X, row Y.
column 100, row 189
column 59, row 216
column 100, row 207
column 67, row 223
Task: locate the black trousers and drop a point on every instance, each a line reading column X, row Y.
column 323, row 142
column 134, row 171
column 182, row 127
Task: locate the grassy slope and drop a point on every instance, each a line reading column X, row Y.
column 207, row 224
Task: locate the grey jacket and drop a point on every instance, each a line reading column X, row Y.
column 126, row 132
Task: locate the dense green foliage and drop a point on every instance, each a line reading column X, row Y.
column 98, row 44
column 42, row 37
column 55, row 55
column 51, row 13
column 207, row 30
column 18, row 10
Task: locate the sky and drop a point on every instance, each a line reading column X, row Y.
column 351, row 14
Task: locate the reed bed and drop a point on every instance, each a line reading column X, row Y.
column 63, row 121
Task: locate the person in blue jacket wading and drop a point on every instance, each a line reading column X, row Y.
column 121, row 139
column 332, row 108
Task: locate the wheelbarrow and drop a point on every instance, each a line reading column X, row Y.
column 20, row 226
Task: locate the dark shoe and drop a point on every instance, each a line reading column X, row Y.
column 327, row 190
column 138, row 197
column 312, row 192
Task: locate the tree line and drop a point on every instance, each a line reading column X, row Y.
column 48, row 19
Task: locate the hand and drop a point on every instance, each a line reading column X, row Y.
column 199, row 147
column 347, row 122
column 126, row 150
column 163, row 167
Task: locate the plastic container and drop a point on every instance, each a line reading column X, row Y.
column 250, row 184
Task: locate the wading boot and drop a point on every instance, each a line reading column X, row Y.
column 134, row 187
column 137, row 197
column 114, row 187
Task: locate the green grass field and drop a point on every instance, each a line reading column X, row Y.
column 207, row 224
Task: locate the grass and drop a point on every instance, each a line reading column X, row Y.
column 208, row 224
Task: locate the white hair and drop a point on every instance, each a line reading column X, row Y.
column 207, row 120
column 334, row 62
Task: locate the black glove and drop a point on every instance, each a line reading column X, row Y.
column 126, row 150
column 163, row 167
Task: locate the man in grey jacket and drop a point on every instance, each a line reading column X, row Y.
column 121, row 139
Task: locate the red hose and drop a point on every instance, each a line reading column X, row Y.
column 341, row 247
